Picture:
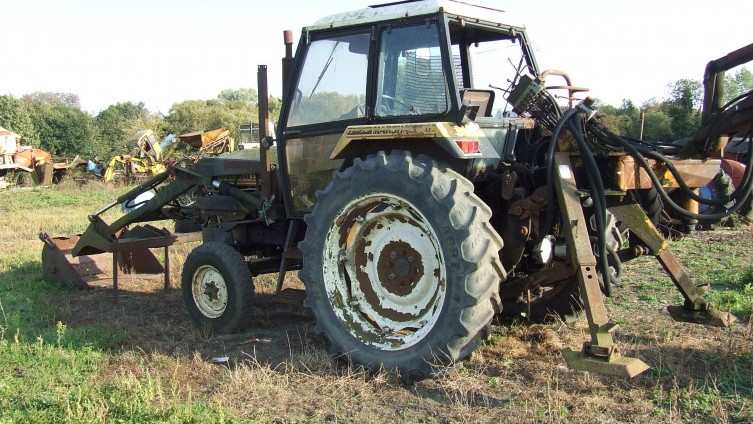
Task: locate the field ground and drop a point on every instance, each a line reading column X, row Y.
column 76, row 356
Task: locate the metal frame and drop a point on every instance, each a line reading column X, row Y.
column 599, row 354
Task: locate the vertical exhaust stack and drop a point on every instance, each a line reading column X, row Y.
column 287, row 61
column 264, row 121
column 266, row 178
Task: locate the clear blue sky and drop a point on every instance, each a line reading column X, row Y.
column 166, row 51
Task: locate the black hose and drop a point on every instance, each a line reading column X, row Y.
column 736, row 195
column 743, row 192
column 549, row 220
column 607, row 136
column 735, row 100
column 687, row 191
column 617, row 267
column 599, row 201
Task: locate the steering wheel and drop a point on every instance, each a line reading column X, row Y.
column 408, row 108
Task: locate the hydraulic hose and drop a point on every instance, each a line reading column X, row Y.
column 599, row 202
column 607, row 136
column 595, row 182
column 687, row 191
column 549, row 220
column 650, row 150
column 736, row 194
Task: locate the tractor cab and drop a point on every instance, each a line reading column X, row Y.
column 407, row 75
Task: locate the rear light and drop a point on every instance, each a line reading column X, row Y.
column 468, row 147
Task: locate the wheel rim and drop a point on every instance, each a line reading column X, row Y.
column 384, row 271
column 209, row 291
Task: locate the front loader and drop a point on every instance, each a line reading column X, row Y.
column 424, row 178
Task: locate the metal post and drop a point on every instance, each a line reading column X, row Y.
column 115, row 254
column 167, row 268
column 642, row 117
column 287, row 61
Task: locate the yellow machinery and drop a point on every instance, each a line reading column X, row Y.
column 145, row 159
column 148, row 157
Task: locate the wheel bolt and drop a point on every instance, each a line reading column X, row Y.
column 393, row 255
column 392, row 276
column 411, row 259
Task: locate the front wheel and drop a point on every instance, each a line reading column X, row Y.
column 217, row 287
column 401, row 266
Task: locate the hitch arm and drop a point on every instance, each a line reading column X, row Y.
column 598, row 355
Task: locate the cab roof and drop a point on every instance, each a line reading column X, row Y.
column 407, row 9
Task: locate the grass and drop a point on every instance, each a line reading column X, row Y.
column 733, row 285
column 75, row 356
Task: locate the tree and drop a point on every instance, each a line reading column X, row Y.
column 15, row 116
column 683, row 107
column 64, row 130
column 658, row 126
column 119, row 122
column 738, row 83
column 245, row 95
column 275, row 107
column 200, row 115
column 67, row 99
column 622, row 120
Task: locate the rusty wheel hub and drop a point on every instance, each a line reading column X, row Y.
column 388, row 285
column 400, row 268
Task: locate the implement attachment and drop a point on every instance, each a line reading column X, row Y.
column 80, row 259
column 58, row 264
column 598, row 355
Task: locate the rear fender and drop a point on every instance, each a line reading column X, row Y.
column 437, row 139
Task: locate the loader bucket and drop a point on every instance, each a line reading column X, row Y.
column 60, row 266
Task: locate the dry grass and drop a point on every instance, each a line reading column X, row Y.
column 279, row 371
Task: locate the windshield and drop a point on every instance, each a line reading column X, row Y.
column 332, row 86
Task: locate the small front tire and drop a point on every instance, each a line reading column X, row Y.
column 217, row 287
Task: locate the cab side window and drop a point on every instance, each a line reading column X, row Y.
column 411, row 78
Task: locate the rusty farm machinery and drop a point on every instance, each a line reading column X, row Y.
column 417, row 199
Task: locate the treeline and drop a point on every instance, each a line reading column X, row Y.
column 676, row 116
column 55, row 122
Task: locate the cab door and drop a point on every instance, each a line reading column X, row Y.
column 328, row 93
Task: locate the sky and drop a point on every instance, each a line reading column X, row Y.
column 162, row 52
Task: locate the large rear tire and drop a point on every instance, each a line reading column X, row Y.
column 217, row 287
column 401, row 266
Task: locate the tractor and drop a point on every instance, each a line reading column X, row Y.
column 426, row 176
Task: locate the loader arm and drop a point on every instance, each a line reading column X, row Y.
column 99, row 236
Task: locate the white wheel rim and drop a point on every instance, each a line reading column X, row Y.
column 384, row 271
column 209, row 291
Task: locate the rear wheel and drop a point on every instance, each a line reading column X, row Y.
column 217, row 287
column 401, row 266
